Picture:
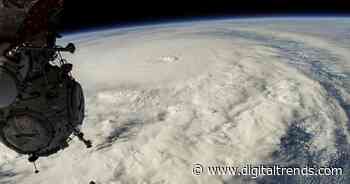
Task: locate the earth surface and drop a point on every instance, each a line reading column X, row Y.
column 163, row 97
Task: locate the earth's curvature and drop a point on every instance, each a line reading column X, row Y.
column 161, row 98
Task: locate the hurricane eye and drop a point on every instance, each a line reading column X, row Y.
column 169, row 59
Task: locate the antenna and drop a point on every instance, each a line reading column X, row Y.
column 69, row 48
column 80, row 136
column 33, row 158
column 35, row 168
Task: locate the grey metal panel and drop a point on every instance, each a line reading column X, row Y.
column 8, row 88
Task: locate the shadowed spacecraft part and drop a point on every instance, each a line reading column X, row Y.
column 41, row 105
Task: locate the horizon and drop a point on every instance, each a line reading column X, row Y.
column 137, row 25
